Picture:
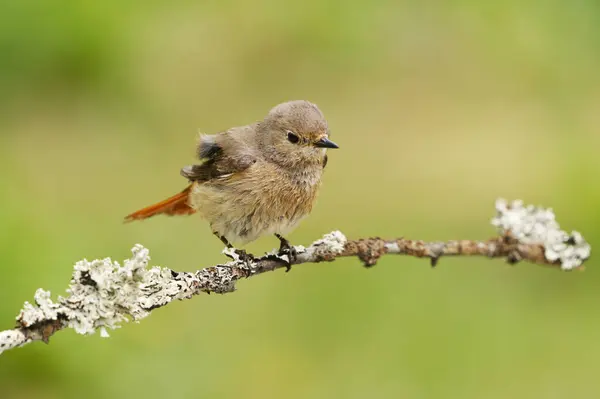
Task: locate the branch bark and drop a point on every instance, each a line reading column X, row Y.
column 103, row 294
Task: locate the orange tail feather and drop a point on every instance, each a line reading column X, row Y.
column 175, row 205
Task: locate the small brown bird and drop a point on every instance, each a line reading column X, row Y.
column 258, row 179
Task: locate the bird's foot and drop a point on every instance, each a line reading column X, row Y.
column 245, row 256
column 286, row 249
column 241, row 255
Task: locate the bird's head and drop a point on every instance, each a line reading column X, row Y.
column 295, row 134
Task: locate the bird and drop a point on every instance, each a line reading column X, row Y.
column 254, row 180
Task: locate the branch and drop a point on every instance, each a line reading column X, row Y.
column 102, row 294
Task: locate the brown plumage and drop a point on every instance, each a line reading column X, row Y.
column 258, row 179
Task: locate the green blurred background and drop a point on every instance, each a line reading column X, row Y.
column 439, row 108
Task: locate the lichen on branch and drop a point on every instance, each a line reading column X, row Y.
column 103, row 294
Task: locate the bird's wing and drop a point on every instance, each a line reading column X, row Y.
column 224, row 154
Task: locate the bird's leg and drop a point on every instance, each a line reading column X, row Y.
column 223, row 240
column 285, row 248
column 243, row 255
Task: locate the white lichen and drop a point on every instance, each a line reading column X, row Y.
column 231, row 253
column 334, row 241
column 11, row 339
column 44, row 309
column 328, row 247
column 102, row 294
column 536, row 225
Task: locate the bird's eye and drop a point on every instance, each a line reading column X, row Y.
column 292, row 137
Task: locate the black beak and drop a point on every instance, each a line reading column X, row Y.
column 325, row 143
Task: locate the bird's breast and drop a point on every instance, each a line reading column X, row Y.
column 262, row 200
